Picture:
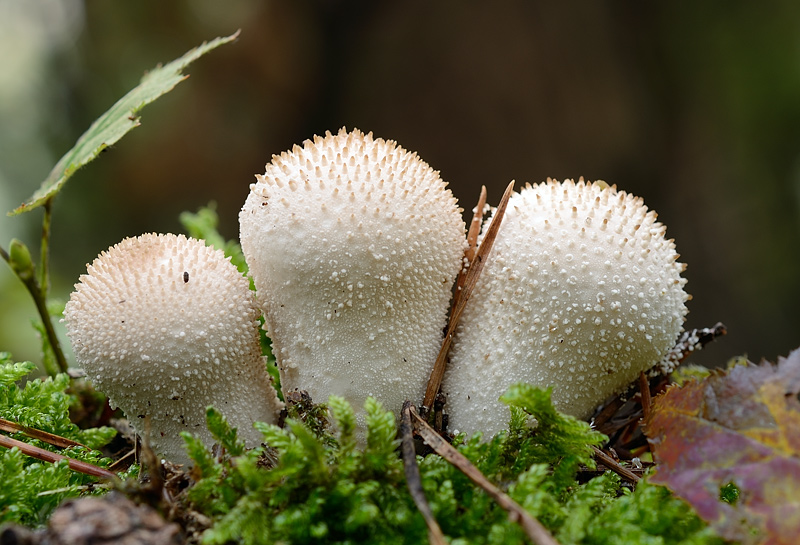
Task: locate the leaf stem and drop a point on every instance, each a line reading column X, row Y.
column 44, row 255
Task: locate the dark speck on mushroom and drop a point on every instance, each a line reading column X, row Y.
column 185, row 277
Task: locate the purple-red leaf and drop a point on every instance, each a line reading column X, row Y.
column 730, row 446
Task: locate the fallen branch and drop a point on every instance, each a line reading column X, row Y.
column 537, row 533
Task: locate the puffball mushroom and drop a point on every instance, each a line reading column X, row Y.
column 581, row 292
column 166, row 326
column 353, row 244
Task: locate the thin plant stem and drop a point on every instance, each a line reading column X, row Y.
column 44, row 255
column 32, row 284
column 55, row 345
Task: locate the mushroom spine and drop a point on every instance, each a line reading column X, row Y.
column 166, row 326
column 353, row 244
column 582, row 292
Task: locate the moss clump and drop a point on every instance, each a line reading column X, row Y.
column 321, row 488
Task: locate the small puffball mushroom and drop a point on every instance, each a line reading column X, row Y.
column 353, row 244
column 166, row 326
column 581, row 292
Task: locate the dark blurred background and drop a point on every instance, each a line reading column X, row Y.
column 693, row 106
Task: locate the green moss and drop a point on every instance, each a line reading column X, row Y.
column 324, row 489
column 32, row 489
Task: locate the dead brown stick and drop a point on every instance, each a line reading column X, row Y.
column 124, row 462
column 52, row 457
column 470, row 280
column 644, row 391
column 56, row 440
column 537, row 533
column 413, row 479
column 615, row 466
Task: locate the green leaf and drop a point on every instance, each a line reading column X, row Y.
column 203, row 224
column 116, row 122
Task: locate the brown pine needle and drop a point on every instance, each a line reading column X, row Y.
column 463, row 295
column 55, row 440
column 472, row 244
column 52, row 457
column 475, row 225
column 413, row 479
column 537, row 533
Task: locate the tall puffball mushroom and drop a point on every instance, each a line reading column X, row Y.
column 581, row 292
column 166, row 326
column 353, row 244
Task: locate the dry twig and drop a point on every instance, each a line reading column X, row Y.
column 537, row 533
column 615, row 466
column 413, row 479
column 644, row 390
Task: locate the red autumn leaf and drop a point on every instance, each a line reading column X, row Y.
column 735, row 430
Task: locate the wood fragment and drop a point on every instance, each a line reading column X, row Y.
column 537, row 533
column 125, row 462
column 470, row 280
column 56, row 440
column 615, row 466
column 413, row 479
column 52, row 457
column 644, row 391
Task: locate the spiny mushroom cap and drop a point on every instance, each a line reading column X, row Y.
column 166, row 326
column 353, row 244
column 581, row 292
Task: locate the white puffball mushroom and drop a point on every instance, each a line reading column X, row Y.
column 581, row 292
column 166, row 326
column 353, row 244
